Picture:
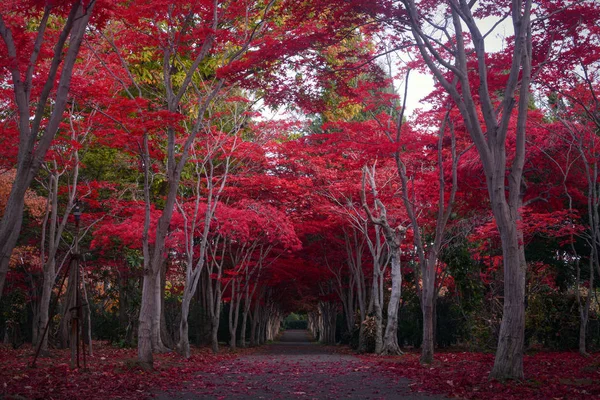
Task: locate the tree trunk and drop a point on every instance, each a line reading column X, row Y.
column 216, row 315
column 390, row 340
column 214, row 340
column 234, row 313
column 88, row 318
column 244, row 327
column 428, row 309
column 44, row 305
column 157, row 343
column 584, row 309
column 247, row 306
column 166, row 338
column 146, row 320
column 509, row 355
column 378, row 314
column 69, row 302
column 255, row 323
column 184, row 339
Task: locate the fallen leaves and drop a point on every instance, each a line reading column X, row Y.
column 112, row 374
column 556, row 375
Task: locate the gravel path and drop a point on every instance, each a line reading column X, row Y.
column 294, row 367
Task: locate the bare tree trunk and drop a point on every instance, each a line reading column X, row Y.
column 165, row 335
column 584, row 309
column 262, row 328
column 427, row 306
column 215, row 329
column 184, row 339
column 88, row 318
column 158, row 345
column 390, row 339
column 145, row 325
column 44, row 305
column 247, row 306
column 69, row 302
column 234, row 313
column 255, row 321
column 378, row 313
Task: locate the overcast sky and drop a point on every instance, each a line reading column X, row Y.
column 420, row 85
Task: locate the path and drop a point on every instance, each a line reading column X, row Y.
column 294, row 367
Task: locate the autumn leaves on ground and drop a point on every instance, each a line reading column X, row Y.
column 285, row 370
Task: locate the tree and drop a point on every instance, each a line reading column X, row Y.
column 33, row 82
column 393, row 238
column 451, row 59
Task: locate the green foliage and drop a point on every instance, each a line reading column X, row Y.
column 13, row 315
column 469, row 288
column 552, row 321
column 295, row 321
column 410, row 319
column 101, row 163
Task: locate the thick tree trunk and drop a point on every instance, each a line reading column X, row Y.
column 390, row 340
column 312, row 325
column 10, row 226
column 146, row 320
column 509, row 355
column 262, row 327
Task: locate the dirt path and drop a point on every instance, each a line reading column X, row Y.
column 294, row 367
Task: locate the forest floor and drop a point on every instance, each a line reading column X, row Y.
column 293, row 367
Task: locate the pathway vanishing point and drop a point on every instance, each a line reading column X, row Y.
column 296, row 368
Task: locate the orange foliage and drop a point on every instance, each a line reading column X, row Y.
column 34, row 204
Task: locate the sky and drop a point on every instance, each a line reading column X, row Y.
column 420, row 85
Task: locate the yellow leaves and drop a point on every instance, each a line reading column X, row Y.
column 25, row 255
column 344, row 113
